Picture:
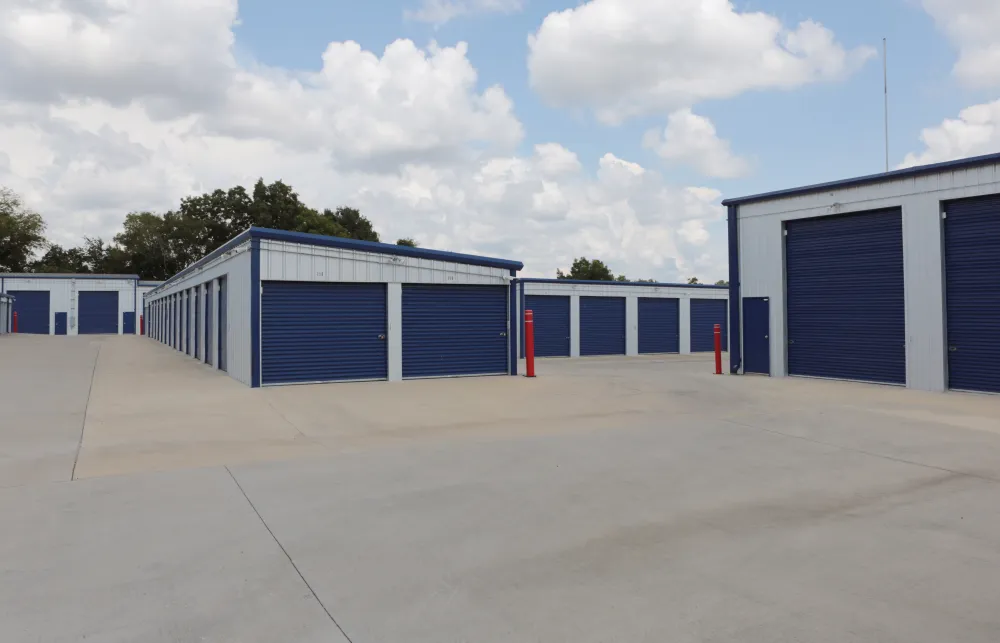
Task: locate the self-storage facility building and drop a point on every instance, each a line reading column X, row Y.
column 272, row 307
column 73, row 304
column 890, row 278
column 575, row 318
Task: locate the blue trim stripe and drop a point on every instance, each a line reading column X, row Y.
column 910, row 172
column 255, row 313
column 735, row 334
column 619, row 283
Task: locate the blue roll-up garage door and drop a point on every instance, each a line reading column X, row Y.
column 32, row 308
column 98, row 312
column 705, row 314
column 845, row 300
column 551, row 319
column 972, row 287
column 322, row 332
column 602, row 325
column 659, row 325
column 454, row 330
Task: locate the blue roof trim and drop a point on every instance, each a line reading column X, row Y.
column 620, row 283
column 735, row 304
column 50, row 275
column 974, row 161
column 384, row 248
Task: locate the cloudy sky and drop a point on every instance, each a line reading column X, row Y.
column 536, row 130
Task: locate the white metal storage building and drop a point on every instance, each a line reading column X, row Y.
column 6, row 313
column 73, row 304
column 576, row 318
column 272, row 307
column 891, row 278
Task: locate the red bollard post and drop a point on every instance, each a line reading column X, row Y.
column 13, row 323
column 529, row 342
column 718, row 349
column 142, row 324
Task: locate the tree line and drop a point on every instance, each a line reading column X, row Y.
column 156, row 246
column 597, row 270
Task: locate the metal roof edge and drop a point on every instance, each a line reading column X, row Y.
column 226, row 247
column 63, row 275
column 972, row 161
column 385, row 248
column 657, row 284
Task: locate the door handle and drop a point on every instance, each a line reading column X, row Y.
column 952, row 349
column 765, row 336
column 381, row 336
column 504, row 334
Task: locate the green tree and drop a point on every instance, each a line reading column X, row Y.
column 145, row 247
column 585, row 269
column 693, row 280
column 722, row 282
column 57, row 259
column 320, row 223
column 275, row 206
column 22, row 233
column 406, row 241
column 356, row 225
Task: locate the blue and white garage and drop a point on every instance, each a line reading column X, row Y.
column 890, row 278
column 590, row 318
column 273, row 307
column 73, row 304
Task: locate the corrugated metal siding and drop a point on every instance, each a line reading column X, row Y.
column 845, row 290
column 551, row 319
column 285, row 261
column 602, row 325
column 659, row 325
column 705, row 314
column 235, row 266
column 32, row 308
column 454, row 330
column 98, row 312
column 64, row 294
column 318, row 332
column 972, row 287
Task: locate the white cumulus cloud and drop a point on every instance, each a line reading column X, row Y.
column 692, row 139
column 116, row 118
column 624, row 58
column 976, row 131
column 973, row 27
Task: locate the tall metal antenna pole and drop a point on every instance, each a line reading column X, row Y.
column 885, row 89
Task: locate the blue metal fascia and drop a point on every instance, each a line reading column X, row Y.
column 735, row 345
column 384, row 248
column 512, row 314
column 618, row 283
column 254, row 313
column 909, row 172
column 49, row 275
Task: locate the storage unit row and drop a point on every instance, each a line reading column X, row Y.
column 64, row 304
column 584, row 318
column 274, row 307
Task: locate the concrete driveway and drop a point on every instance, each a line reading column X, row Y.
column 622, row 499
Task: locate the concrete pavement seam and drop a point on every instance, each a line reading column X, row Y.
column 86, row 408
column 863, row 452
column 287, row 555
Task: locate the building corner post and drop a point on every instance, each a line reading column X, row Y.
column 735, row 335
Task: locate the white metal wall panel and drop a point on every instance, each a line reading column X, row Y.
column 64, row 295
column 287, row 261
column 762, row 257
column 235, row 265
